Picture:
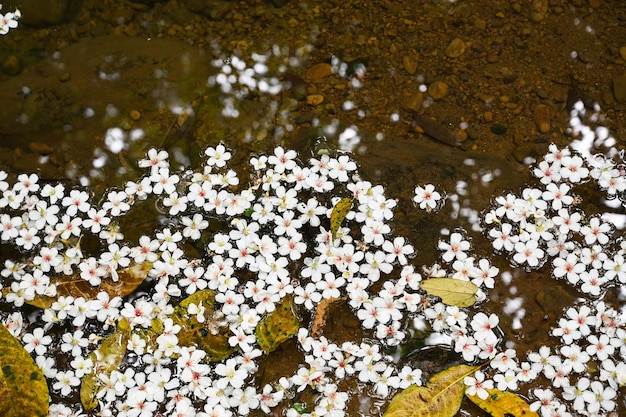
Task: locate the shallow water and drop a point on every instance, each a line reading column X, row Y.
column 94, row 93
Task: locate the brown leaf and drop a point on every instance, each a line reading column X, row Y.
column 129, row 279
column 321, row 312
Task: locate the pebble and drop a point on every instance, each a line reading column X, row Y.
column 498, row 129
column 318, row 71
column 492, row 58
column 538, row 10
column 135, row 115
column 619, row 88
column 456, row 48
column 460, row 135
column 12, row 65
column 438, row 90
column 622, row 52
column 314, row 99
column 488, row 116
column 415, row 101
column 410, row 64
column 40, row 148
column 541, row 114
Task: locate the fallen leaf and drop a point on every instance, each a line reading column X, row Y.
column 129, row 280
column 454, row 292
column 106, row 359
column 278, row 326
column 339, row 213
column 321, row 312
column 503, row 404
column 23, row 388
column 209, row 335
column 441, row 397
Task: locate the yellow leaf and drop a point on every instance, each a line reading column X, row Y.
column 23, row 388
column 106, row 359
column 339, row 213
column 74, row 285
column 211, row 335
column 441, row 397
column 452, row 291
column 503, row 404
column 278, row 326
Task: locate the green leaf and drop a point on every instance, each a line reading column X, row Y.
column 106, row 359
column 278, row 326
column 442, row 396
column 23, row 388
column 454, row 292
column 210, row 335
column 503, row 404
column 339, row 213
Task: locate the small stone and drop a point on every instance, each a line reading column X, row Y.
column 622, row 52
column 460, row 135
column 493, row 58
column 488, row 116
column 40, row 148
column 456, row 48
column 415, row 101
column 12, row 65
column 542, row 118
column 314, row 99
column 498, row 129
column 619, row 88
column 410, row 64
column 318, row 71
column 438, row 90
column 595, row 4
column 65, row 77
column 135, row 115
column 538, row 10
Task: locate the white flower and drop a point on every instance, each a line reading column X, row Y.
column 218, row 156
column 426, row 197
column 9, row 21
column 65, row 382
column 455, row 249
column 477, row 385
column 281, row 160
column 37, row 341
column 193, row 226
column 155, row 160
column 528, row 252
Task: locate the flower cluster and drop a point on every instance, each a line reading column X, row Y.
column 8, row 20
column 545, row 225
column 276, row 232
column 266, row 241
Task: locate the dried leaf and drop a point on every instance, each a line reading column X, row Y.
column 74, row 285
column 454, row 292
column 106, row 359
column 23, row 388
column 321, row 312
column 278, row 326
column 503, row 404
column 210, row 335
column 442, row 396
column 339, row 213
